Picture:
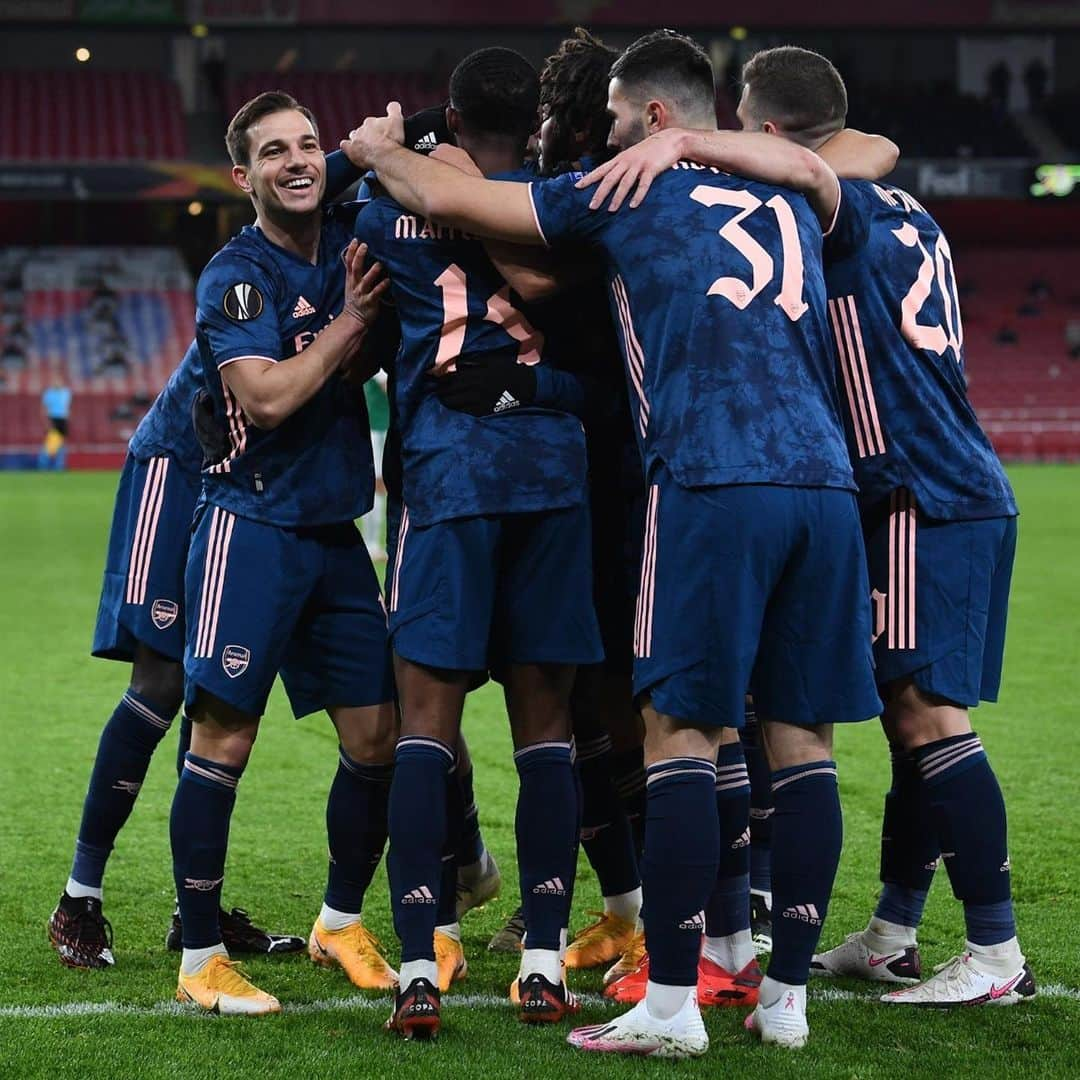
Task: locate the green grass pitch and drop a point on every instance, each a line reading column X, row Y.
column 54, row 700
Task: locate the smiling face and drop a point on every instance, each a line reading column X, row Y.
column 287, row 169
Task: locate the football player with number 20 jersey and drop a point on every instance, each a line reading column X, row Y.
column 753, row 571
column 939, row 520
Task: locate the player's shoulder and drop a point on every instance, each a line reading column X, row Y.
column 245, row 259
column 881, row 199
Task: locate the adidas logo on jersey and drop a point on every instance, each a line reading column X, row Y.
column 806, row 913
column 422, row 895
column 426, row 143
column 506, row 401
column 303, row 309
column 695, row 922
column 551, row 887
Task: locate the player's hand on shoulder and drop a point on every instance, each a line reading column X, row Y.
column 452, row 155
column 634, row 170
column 363, row 288
column 363, row 143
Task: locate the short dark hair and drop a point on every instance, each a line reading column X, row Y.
column 251, row 112
column 672, row 66
column 798, row 89
column 497, row 92
column 573, row 88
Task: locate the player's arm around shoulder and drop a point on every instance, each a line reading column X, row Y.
column 494, row 208
column 269, row 391
column 750, row 154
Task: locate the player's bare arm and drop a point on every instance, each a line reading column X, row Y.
column 270, row 392
column 744, row 153
column 855, row 155
column 490, row 208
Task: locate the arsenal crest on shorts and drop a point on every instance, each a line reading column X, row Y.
column 163, row 613
column 235, row 660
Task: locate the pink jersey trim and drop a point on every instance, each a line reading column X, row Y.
column 536, row 216
column 233, row 359
column 142, row 547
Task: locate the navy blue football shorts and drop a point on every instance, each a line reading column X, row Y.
column 759, row 589
column 940, row 595
column 304, row 602
column 142, row 597
column 478, row 593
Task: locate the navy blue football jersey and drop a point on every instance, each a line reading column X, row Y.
column 895, row 317
column 167, row 428
column 716, row 286
column 255, row 299
column 451, row 300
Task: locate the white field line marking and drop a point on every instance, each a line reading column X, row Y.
column 357, row 1003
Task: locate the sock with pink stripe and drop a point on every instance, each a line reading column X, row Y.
column 806, row 839
column 728, row 911
column 127, row 744
column 546, row 828
column 199, row 830
column 969, row 812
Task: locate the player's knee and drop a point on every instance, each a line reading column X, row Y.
column 222, row 733
column 369, row 734
column 158, row 679
column 788, row 745
column 913, row 718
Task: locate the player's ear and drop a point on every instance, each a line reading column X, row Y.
column 453, row 121
column 240, row 178
column 656, row 117
column 770, row 128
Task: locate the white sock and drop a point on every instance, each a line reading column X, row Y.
column 450, row 930
column 544, row 962
column 1002, row 959
column 732, row 953
column 333, row 919
column 73, row 888
column 883, row 936
column 419, row 969
column 624, row 906
column 564, row 938
column 194, row 960
column 663, row 1002
column 772, row 990
column 639, row 926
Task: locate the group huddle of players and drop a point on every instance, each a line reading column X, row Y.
column 673, row 443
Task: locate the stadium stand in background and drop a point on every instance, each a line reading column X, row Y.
column 113, row 322
column 90, row 116
column 123, row 146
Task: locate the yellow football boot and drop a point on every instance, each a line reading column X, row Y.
column 356, row 950
column 450, row 960
column 221, row 987
column 631, row 958
column 600, row 942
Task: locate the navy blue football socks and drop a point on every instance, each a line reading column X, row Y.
column 546, row 826
column 969, row 811
column 418, row 830
column 199, row 830
column 728, row 909
column 909, row 844
column 127, row 744
column 606, row 835
column 682, row 849
column 628, row 778
column 183, row 744
column 761, row 808
column 356, row 824
column 471, row 846
column 806, row 841
column 446, row 909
